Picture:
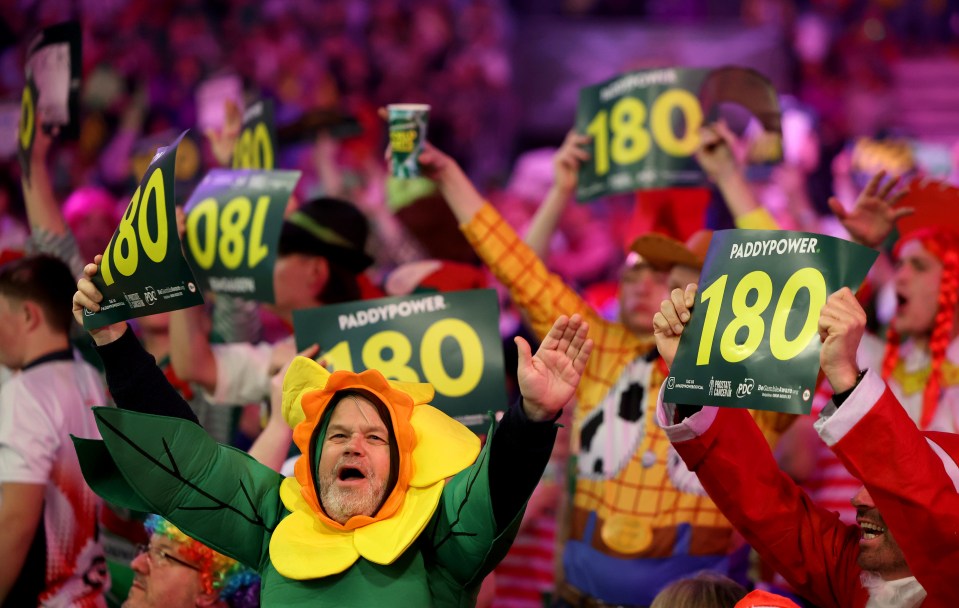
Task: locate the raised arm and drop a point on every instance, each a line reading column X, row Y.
column 43, row 210
column 272, row 445
column 906, row 473
column 482, row 506
column 191, row 354
column 566, row 165
column 717, row 157
column 133, row 377
column 808, row 545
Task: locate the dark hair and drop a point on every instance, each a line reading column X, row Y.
column 704, row 590
column 45, row 280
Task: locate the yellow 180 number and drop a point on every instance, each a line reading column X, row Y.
column 123, row 251
column 396, row 366
column 620, row 135
column 748, row 315
column 254, row 150
column 223, row 232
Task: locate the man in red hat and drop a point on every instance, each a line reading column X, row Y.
column 902, row 551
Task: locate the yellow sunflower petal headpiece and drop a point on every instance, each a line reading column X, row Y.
column 431, row 446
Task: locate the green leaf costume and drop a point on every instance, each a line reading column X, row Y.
column 431, row 543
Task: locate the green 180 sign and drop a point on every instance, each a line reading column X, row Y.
column 751, row 341
column 450, row 340
column 142, row 271
column 233, row 223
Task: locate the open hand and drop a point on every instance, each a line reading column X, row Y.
column 671, row 320
column 549, row 379
column 874, row 215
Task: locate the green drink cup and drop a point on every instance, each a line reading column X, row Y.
column 408, row 123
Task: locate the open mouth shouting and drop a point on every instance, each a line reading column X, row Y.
column 350, row 474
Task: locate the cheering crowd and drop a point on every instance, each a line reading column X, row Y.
column 197, row 458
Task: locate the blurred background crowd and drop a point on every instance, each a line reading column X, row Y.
column 501, row 77
column 864, row 85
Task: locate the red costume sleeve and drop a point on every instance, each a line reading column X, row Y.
column 909, row 484
column 805, row 543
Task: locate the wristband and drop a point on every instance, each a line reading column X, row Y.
column 838, row 398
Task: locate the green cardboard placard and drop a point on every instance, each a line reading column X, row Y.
column 256, row 147
column 233, row 228
column 645, row 125
column 27, row 134
column 450, row 340
column 753, row 338
column 143, row 271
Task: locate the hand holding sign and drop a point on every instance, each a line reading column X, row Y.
column 568, row 160
column 645, row 124
column 549, row 379
column 671, row 320
column 717, row 151
column 750, row 341
column 88, row 298
column 841, row 324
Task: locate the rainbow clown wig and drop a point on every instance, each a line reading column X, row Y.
column 220, row 575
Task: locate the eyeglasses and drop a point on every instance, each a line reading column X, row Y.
column 160, row 557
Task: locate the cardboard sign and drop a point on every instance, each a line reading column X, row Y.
column 54, row 64
column 450, row 340
column 233, row 227
column 143, row 271
column 256, row 148
column 645, row 125
column 753, row 338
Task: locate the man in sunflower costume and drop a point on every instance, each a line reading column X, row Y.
column 393, row 502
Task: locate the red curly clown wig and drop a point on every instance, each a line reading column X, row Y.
column 944, row 245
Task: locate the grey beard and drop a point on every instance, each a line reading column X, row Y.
column 340, row 505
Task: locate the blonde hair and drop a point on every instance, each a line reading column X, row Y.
column 704, row 590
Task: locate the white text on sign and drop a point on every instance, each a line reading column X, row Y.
column 388, row 312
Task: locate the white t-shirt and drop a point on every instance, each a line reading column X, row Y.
column 40, row 408
column 242, row 373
